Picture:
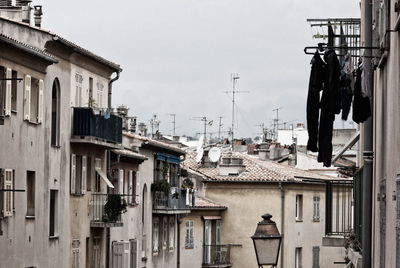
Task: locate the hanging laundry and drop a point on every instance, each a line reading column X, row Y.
column 317, row 76
column 361, row 104
column 330, row 105
column 346, row 91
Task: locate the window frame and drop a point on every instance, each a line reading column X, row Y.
column 189, row 235
column 316, row 208
column 155, row 236
column 299, row 208
column 30, row 193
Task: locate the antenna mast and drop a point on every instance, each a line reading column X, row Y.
column 219, row 128
column 276, row 122
column 173, row 123
column 234, row 77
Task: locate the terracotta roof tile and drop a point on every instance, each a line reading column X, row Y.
column 202, row 203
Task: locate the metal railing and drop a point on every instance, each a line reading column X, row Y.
column 107, row 208
column 176, row 199
column 339, row 208
column 88, row 124
column 216, row 255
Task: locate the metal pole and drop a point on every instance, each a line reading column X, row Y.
column 368, row 145
column 219, row 129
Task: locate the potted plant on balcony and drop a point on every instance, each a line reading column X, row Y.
column 114, row 207
column 160, row 186
column 187, row 184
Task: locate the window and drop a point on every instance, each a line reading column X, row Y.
column 132, row 187
column 7, row 182
column 97, row 166
column 78, row 92
column 121, row 181
column 14, row 90
column 8, row 91
column 100, row 88
column 165, row 232
column 78, row 174
column 218, row 232
column 30, row 193
column 75, row 253
column 298, row 258
column 33, row 99
column 316, row 200
column 155, row 235
column 55, row 114
column 91, row 100
column 53, row 217
column 171, row 238
column 315, row 262
column 133, row 253
column 299, row 207
column 189, row 234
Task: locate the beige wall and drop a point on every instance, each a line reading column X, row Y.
column 247, row 202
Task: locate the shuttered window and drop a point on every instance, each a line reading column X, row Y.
column 7, row 109
column 189, row 234
column 299, row 207
column 27, row 97
column 78, row 174
column 8, row 195
column 316, row 211
column 165, row 231
column 155, row 235
column 75, row 253
column 315, row 259
column 133, row 253
column 171, row 237
column 33, row 99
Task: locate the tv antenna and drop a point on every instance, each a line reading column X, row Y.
column 219, row 128
column 173, row 123
column 234, row 78
column 155, row 124
column 276, row 122
column 206, row 122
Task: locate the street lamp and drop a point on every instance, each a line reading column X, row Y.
column 267, row 241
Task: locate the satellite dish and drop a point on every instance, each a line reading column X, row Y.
column 199, row 155
column 200, row 144
column 214, row 154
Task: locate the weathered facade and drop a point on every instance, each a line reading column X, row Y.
column 295, row 198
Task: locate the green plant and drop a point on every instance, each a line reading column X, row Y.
column 175, row 195
column 160, row 186
column 165, row 170
column 113, row 207
column 187, row 183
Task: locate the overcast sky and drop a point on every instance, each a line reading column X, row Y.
column 178, row 55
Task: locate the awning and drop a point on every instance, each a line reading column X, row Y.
column 212, row 217
column 348, row 145
column 130, row 154
column 169, row 158
column 104, row 177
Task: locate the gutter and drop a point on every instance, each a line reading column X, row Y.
column 282, row 223
column 110, row 87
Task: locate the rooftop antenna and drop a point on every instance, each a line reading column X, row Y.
column 219, row 128
column 234, row 78
column 276, row 122
column 173, row 123
column 206, row 122
column 155, row 124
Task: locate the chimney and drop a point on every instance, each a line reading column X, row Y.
column 275, row 151
column 231, row 166
column 38, row 16
column 263, row 151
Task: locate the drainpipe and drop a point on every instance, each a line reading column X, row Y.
column 178, row 242
column 282, row 222
column 110, row 88
column 368, row 145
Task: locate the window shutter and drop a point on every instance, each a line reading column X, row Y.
column 40, row 101
column 121, row 181
column 315, row 257
column 133, row 252
column 137, row 190
column 7, row 110
column 75, row 253
column 73, row 173
column 27, row 97
column 187, row 239
column 84, row 174
column 8, row 195
column 130, row 187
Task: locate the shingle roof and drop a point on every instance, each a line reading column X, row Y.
column 255, row 171
column 205, row 203
column 27, row 48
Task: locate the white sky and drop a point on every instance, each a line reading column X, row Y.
column 178, row 55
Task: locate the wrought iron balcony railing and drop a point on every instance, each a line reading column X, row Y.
column 88, row 124
column 106, row 209
column 176, row 199
column 216, row 256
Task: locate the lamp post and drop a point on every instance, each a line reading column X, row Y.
column 267, row 241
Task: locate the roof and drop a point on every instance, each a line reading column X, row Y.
column 255, row 171
column 87, row 53
column 129, row 153
column 205, row 203
column 155, row 143
column 68, row 43
column 27, row 48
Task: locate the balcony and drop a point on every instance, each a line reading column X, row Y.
column 177, row 201
column 106, row 210
column 216, row 256
column 88, row 127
